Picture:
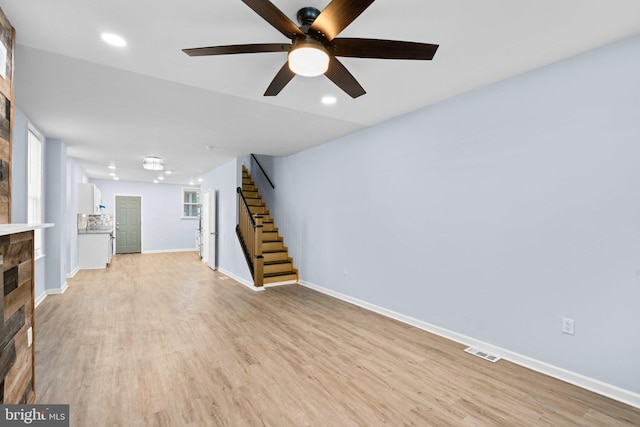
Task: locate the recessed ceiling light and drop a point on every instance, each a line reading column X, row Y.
column 113, row 39
column 112, row 167
column 115, row 178
column 168, row 172
column 329, row 100
column 112, row 174
column 161, row 178
column 191, row 182
column 209, row 147
column 199, row 179
column 155, row 181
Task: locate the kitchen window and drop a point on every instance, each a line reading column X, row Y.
column 190, row 203
column 35, row 151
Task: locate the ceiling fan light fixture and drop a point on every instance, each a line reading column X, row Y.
column 153, row 163
column 309, row 58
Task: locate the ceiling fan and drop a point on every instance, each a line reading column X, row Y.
column 314, row 45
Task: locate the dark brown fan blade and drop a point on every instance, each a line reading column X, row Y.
column 339, row 74
column 383, row 49
column 337, row 15
column 238, row 48
column 274, row 16
column 281, row 79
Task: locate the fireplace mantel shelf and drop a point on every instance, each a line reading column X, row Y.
column 6, row 229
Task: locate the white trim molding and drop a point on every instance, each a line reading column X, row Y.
column 51, row 291
column 242, row 281
column 73, row 273
column 57, row 291
column 162, row 251
column 39, row 299
column 596, row 386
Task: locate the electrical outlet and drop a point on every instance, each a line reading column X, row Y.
column 568, row 326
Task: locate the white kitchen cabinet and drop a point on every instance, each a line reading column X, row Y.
column 94, row 250
column 89, row 198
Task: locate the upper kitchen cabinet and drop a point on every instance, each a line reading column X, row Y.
column 88, row 199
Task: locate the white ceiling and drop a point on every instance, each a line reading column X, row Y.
column 116, row 105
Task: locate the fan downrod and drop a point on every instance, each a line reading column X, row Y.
column 307, row 15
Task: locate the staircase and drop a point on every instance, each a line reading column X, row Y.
column 277, row 266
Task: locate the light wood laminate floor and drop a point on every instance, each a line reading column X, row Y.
column 162, row 340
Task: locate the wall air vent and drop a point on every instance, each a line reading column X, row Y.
column 483, row 354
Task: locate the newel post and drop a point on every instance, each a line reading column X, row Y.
column 258, row 262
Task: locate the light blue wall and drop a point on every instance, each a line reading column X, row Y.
column 493, row 215
column 61, row 177
column 55, row 238
column 19, row 160
column 258, row 175
column 163, row 228
column 225, row 180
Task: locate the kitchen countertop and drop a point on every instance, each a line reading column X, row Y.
column 6, row 229
column 95, row 231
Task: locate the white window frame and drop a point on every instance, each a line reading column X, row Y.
column 184, row 204
column 35, row 186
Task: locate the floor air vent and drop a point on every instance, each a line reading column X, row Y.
column 482, row 354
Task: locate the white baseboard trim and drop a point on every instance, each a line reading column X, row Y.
column 73, row 273
column 242, row 281
column 39, row 299
column 164, row 251
column 57, row 291
column 596, row 386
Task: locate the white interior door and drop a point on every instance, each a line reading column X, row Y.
column 213, row 233
column 204, row 219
